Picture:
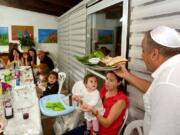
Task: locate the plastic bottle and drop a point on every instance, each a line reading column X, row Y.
column 17, row 82
column 17, row 73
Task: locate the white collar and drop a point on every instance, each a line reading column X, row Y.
column 168, row 63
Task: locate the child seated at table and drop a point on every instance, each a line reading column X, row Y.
column 91, row 97
column 52, row 85
column 42, row 73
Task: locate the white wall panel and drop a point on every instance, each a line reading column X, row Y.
column 136, row 39
column 147, row 24
column 135, row 52
column 146, row 15
column 72, row 27
column 155, row 9
column 138, row 65
column 135, row 3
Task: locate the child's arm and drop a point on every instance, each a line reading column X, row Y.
column 76, row 98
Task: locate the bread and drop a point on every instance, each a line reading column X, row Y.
column 116, row 60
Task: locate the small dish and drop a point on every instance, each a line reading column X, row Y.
column 94, row 60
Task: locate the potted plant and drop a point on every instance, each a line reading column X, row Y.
column 26, row 42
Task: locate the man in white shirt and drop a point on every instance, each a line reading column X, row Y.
column 161, row 54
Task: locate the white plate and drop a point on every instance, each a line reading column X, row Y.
column 94, row 60
column 23, row 97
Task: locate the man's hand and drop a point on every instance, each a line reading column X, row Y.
column 122, row 71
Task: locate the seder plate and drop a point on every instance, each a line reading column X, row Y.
column 100, row 68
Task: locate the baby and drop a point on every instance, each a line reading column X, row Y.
column 52, row 86
column 91, row 97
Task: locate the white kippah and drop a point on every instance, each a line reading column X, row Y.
column 166, row 36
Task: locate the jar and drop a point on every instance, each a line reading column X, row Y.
column 7, row 75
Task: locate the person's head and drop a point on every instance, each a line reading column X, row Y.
column 90, row 81
column 25, row 54
column 41, row 54
column 52, row 77
column 13, row 45
column 113, row 82
column 43, row 69
column 14, row 53
column 33, row 55
column 105, row 50
column 32, row 52
column 158, row 45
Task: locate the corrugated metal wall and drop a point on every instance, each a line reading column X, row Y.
column 145, row 15
column 72, row 41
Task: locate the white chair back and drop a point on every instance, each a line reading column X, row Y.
column 62, row 77
column 56, row 70
column 136, row 124
column 78, row 88
column 124, row 122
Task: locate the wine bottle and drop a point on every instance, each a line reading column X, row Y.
column 8, row 110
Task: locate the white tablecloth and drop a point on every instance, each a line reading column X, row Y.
column 17, row 122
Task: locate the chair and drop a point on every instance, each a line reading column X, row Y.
column 137, row 124
column 62, row 77
column 54, row 98
column 124, row 122
column 56, row 70
column 78, row 88
column 72, row 120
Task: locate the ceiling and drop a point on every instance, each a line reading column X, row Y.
column 51, row 7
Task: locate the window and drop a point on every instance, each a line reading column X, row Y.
column 107, row 28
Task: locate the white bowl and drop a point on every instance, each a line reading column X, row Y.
column 94, row 60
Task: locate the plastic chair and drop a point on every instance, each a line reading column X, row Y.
column 62, row 77
column 78, row 88
column 137, row 124
column 56, row 69
column 124, row 122
column 72, row 120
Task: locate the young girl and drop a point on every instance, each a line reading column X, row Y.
column 91, row 97
column 42, row 73
column 52, row 86
column 25, row 59
column 15, row 57
column 32, row 57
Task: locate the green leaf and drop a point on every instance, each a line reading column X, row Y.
column 26, row 41
column 56, row 106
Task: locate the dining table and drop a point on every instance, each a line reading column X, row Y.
column 22, row 95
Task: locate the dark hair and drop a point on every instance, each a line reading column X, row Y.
column 119, row 79
column 87, row 77
column 105, row 50
column 12, row 45
column 35, row 55
column 11, row 56
column 44, row 67
column 53, row 73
